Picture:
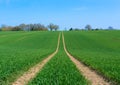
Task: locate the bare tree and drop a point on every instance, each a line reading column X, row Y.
column 53, row 27
column 56, row 27
column 88, row 27
column 22, row 26
column 110, row 28
column 27, row 27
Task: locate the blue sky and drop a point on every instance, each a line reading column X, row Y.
column 65, row 13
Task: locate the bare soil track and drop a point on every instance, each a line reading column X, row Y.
column 31, row 73
column 89, row 74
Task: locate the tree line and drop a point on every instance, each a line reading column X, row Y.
column 41, row 27
column 30, row 27
column 89, row 27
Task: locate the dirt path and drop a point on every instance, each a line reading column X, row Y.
column 89, row 74
column 31, row 73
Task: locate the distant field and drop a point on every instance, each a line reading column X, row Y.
column 21, row 50
column 98, row 49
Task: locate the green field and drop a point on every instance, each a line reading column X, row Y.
column 21, row 50
column 100, row 50
column 59, row 71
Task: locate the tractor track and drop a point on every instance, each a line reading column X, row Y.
column 89, row 74
column 32, row 72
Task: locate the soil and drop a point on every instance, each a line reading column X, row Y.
column 32, row 72
column 89, row 74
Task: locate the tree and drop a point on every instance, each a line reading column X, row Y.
column 6, row 28
column 110, row 28
column 76, row 29
column 97, row 29
column 88, row 27
column 3, row 26
column 56, row 27
column 37, row 27
column 53, row 27
column 22, row 26
column 16, row 28
column 70, row 29
column 41, row 27
column 26, row 27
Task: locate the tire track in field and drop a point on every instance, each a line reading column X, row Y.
column 89, row 74
column 31, row 73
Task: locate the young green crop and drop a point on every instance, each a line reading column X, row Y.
column 98, row 49
column 59, row 71
column 21, row 50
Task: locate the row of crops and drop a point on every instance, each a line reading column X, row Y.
column 100, row 50
column 60, row 70
column 21, row 50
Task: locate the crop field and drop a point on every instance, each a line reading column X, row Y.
column 99, row 50
column 59, row 71
column 21, row 50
